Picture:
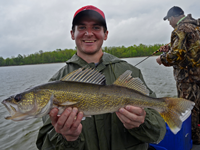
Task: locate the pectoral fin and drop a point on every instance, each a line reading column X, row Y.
column 67, row 103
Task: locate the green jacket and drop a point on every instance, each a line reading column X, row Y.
column 104, row 132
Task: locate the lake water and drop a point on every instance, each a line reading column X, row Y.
column 22, row 135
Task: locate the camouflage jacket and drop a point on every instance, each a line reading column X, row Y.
column 106, row 131
column 185, row 51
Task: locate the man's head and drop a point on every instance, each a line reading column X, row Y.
column 89, row 30
column 174, row 15
column 90, row 12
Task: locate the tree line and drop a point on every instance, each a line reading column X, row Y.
column 59, row 55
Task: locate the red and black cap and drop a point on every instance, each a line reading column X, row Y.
column 90, row 11
column 175, row 12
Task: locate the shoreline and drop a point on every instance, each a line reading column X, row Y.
column 66, row 60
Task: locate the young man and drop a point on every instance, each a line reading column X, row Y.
column 184, row 55
column 129, row 128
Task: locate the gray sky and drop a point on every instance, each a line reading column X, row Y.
column 27, row 26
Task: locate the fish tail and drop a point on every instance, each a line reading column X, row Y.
column 176, row 112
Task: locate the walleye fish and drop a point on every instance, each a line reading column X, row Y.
column 84, row 89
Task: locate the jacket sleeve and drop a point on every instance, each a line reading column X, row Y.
column 152, row 130
column 178, row 49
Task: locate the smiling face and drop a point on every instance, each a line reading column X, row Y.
column 89, row 36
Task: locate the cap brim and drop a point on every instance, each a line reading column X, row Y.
column 165, row 18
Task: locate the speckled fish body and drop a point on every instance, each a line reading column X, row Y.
column 83, row 89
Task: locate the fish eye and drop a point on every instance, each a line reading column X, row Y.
column 18, row 97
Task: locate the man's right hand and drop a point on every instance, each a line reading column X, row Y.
column 164, row 48
column 68, row 123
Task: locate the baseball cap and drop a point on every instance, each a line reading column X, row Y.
column 175, row 12
column 90, row 11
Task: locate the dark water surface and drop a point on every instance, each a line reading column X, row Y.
column 22, row 135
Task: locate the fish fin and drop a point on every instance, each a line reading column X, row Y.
column 61, row 109
column 177, row 111
column 65, row 103
column 86, row 75
column 126, row 80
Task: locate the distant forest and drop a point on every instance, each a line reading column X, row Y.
column 59, row 55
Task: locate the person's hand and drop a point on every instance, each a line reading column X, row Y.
column 131, row 116
column 164, row 48
column 68, row 123
column 159, row 60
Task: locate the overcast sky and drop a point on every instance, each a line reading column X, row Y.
column 28, row 26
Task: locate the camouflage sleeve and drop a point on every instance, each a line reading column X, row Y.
column 178, row 49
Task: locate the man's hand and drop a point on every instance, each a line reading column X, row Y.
column 68, row 123
column 164, row 48
column 159, row 60
column 131, row 116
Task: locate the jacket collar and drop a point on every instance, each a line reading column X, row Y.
column 181, row 20
column 188, row 19
column 106, row 59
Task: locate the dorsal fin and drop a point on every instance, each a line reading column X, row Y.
column 126, row 80
column 86, row 75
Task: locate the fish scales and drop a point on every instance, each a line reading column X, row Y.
column 97, row 98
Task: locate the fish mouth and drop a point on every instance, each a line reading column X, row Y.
column 12, row 108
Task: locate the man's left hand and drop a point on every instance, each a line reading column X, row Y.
column 158, row 60
column 131, row 116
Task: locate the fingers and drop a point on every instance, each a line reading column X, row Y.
column 131, row 116
column 73, row 120
column 68, row 123
column 77, row 121
column 164, row 48
column 53, row 116
column 128, row 124
column 135, row 110
column 72, row 127
column 65, row 117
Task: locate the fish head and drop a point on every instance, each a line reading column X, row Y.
column 22, row 106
